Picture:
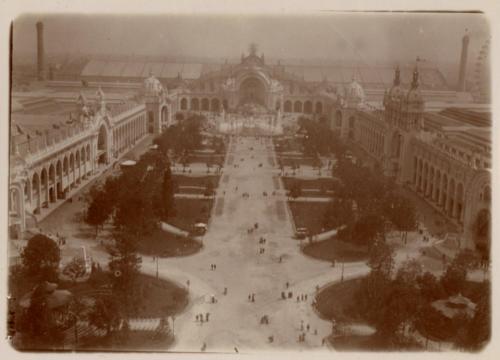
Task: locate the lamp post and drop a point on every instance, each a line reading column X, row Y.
column 156, row 267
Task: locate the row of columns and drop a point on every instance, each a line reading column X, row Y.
column 56, row 177
column 371, row 140
column 440, row 188
column 305, row 107
column 204, row 104
column 128, row 133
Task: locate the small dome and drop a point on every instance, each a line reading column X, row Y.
column 354, row 91
column 152, row 85
column 396, row 92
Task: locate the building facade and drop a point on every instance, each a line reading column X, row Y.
column 446, row 162
column 448, row 167
column 52, row 157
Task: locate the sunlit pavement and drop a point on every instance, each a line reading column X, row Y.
column 234, row 321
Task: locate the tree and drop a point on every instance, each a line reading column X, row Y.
column 37, row 323
column 105, row 314
column 430, row 287
column 367, row 229
column 381, row 258
column 339, row 212
column 99, row 210
column 401, row 212
column 124, row 266
column 41, row 258
column 404, row 303
column 168, row 193
column 454, row 276
column 479, row 332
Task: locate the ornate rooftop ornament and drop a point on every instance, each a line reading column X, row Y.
column 152, row 86
column 397, row 80
column 252, row 48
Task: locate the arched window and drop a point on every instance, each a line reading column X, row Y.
column 288, row 106
column 308, row 107
column 338, row 119
column 195, row 104
column 205, row 104
column 184, row 104
column 297, row 107
column 319, row 108
column 215, row 105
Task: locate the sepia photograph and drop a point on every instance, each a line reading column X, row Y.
column 245, row 183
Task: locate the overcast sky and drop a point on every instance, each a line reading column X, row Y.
column 360, row 37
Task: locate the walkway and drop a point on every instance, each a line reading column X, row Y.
column 234, row 320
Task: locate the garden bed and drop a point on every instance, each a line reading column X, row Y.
column 182, row 180
column 164, row 244
column 335, row 250
column 308, row 215
column 336, row 301
column 318, row 184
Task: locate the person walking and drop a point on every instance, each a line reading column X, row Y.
column 208, row 314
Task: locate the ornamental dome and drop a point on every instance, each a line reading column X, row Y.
column 152, row 86
column 354, row 92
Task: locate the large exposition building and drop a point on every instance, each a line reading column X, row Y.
column 430, row 137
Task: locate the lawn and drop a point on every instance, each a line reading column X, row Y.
column 189, row 212
column 182, row 180
column 335, row 250
column 203, row 158
column 167, row 245
column 318, row 184
column 308, row 215
column 290, row 161
column 336, row 301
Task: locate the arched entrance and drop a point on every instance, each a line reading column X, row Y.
column 253, row 91
column 102, row 145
